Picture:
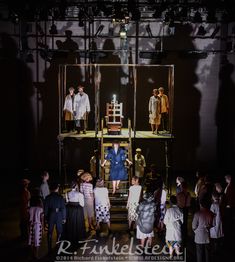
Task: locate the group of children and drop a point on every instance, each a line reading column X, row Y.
column 146, row 211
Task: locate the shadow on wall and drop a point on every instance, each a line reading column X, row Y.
column 225, row 117
column 187, row 99
column 110, row 78
column 48, row 130
column 17, row 125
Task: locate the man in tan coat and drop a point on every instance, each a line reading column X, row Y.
column 164, row 109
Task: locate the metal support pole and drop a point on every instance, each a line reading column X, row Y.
column 102, row 146
column 171, row 96
column 97, row 99
column 135, row 89
column 59, row 118
column 167, row 166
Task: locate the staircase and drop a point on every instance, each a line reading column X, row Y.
column 118, row 211
column 118, row 201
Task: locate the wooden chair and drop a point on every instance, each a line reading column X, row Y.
column 114, row 117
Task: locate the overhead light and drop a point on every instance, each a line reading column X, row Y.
column 99, row 30
column 53, row 30
column 123, row 31
column 149, row 31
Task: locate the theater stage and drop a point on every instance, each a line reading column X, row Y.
column 124, row 135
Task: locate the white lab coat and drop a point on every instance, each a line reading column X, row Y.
column 216, row 231
column 173, row 221
column 82, row 106
column 69, row 104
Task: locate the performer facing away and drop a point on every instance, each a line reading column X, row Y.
column 69, row 110
column 155, row 111
column 164, row 109
column 140, row 163
column 82, row 109
column 117, row 158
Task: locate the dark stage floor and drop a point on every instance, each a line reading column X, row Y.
column 14, row 249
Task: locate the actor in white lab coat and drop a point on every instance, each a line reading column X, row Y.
column 82, row 109
column 69, row 110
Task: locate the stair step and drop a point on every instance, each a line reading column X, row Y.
column 118, row 199
column 117, row 212
column 122, row 219
column 120, row 191
column 118, row 208
column 121, row 182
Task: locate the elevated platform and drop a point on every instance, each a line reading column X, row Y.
column 124, row 134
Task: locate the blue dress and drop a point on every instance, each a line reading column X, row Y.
column 117, row 169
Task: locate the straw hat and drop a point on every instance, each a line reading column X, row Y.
column 80, row 172
column 86, row 177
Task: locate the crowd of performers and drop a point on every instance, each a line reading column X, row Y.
column 86, row 205
column 77, row 108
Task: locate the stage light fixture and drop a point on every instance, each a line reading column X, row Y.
column 123, row 31
column 99, row 30
column 149, row 31
column 114, row 100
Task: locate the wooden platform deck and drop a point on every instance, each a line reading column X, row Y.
column 124, row 134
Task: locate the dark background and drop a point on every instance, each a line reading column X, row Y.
column 203, row 117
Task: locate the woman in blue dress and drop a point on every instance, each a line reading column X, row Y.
column 117, row 158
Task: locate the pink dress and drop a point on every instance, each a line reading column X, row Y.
column 35, row 226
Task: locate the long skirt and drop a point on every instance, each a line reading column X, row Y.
column 35, row 234
column 132, row 215
column 74, row 229
column 89, row 207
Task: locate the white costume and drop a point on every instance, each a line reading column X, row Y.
column 140, row 164
column 75, row 196
column 173, row 220
column 69, row 107
column 82, row 106
column 154, row 110
column 216, row 231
